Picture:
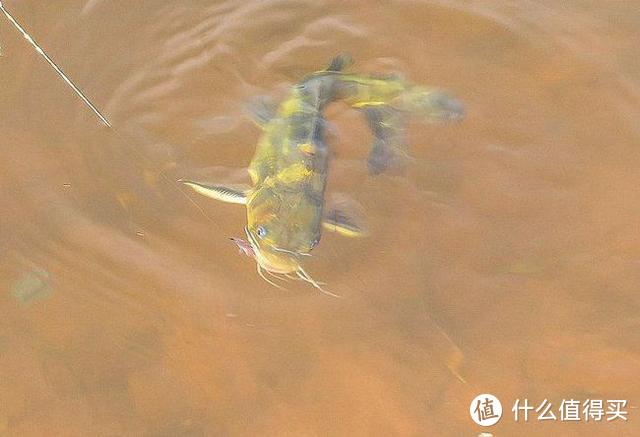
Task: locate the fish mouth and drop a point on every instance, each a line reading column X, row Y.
column 284, row 269
column 284, row 261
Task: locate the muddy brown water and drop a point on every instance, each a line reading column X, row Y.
column 506, row 261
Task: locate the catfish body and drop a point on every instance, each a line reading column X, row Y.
column 286, row 202
column 289, row 172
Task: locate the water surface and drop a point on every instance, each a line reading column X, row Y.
column 506, row 261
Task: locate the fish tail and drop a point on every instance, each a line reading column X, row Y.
column 387, row 102
column 432, row 104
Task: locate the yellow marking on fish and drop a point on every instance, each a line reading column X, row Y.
column 307, row 148
column 374, row 92
column 294, row 173
column 368, row 103
column 363, row 96
column 292, row 105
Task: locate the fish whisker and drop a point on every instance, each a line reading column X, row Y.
column 267, row 279
column 307, row 278
column 277, row 276
column 295, row 278
column 296, row 254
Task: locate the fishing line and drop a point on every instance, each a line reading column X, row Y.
column 91, row 106
column 58, row 70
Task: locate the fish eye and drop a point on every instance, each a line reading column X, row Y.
column 261, row 231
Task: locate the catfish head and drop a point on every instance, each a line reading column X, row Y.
column 283, row 226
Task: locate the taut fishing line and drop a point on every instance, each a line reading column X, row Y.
column 88, row 103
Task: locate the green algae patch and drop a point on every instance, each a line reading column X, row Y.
column 33, row 286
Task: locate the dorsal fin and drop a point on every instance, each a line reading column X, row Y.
column 340, row 62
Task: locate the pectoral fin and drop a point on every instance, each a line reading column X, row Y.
column 229, row 194
column 336, row 222
column 345, row 216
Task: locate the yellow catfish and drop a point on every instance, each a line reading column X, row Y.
column 286, row 202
